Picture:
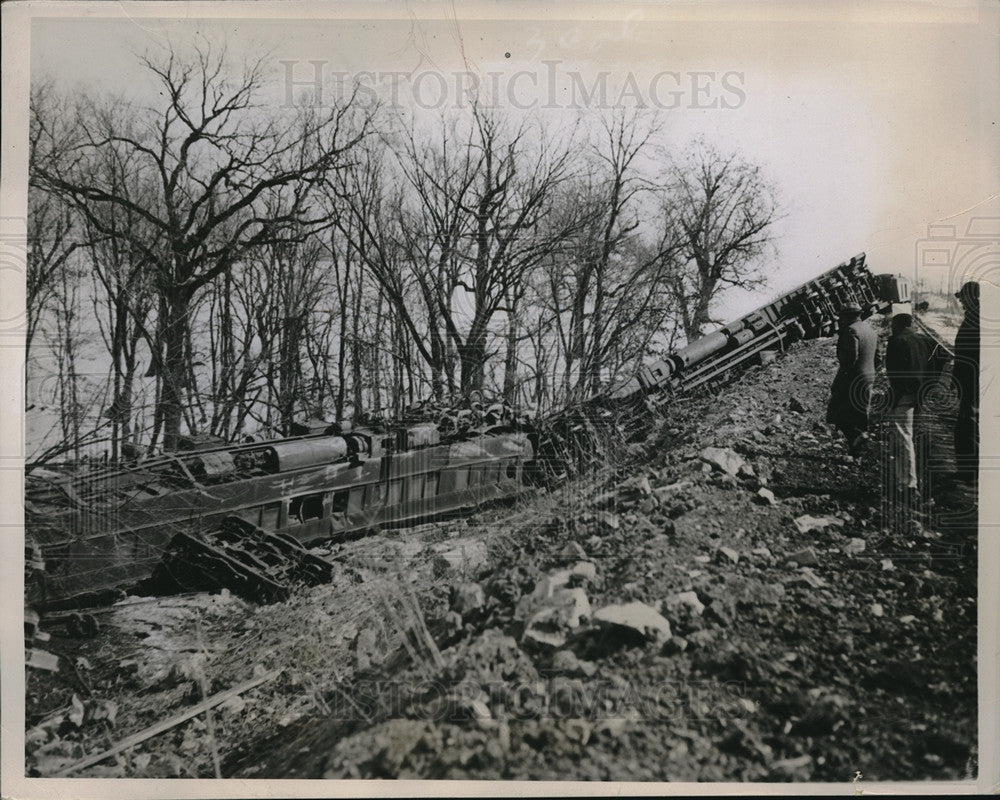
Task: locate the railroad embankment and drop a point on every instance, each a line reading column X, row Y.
column 734, row 604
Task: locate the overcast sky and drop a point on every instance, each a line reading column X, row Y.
column 872, row 123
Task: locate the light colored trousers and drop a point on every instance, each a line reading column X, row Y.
column 902, row 454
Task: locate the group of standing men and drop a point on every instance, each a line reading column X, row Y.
column 912, row 363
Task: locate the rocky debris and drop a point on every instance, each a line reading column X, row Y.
column 725, row 480
column 608, row 520
column 637, row 617
column 792, row 769
column 578, row 730
column 567, row 663
column 573, row 551
column 688, row 600
column 701, row 639
column 807, row 577
column 806, row 557
column 547, row 590
column 393, row 743
column 854, row 546
column 469, row 598
column 720, row 611
column 684, row 611
column 451, row 626
column 726, row 555
column 674, row 646
column 549, row 627
column 796, row 405
column 746, row 592
column 643, row 485
column 766, row 497
column 723, row 459
column 552, row 610
column 491, row 657
column 466, row 557
column 665, row 494
column 584, row 569
column 782, row 674
column 808, row 523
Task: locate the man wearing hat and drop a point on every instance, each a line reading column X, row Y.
column 907, row 366
column 966, row 374
column 852, row 386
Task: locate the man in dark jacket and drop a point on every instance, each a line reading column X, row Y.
column 907, row 358
column 851, row 391
column 966, row 374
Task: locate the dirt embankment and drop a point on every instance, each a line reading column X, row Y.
column 732, row 607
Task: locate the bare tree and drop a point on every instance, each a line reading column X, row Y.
column 51, row 225
column 295, row 285
column 122, row 303
column 64, row 342
column 722, row 208
column 473, row 223
column 122, row 294
column 605, row 293
column 224, row 180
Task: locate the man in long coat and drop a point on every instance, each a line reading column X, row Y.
column 907, row 365
column 850, row 394
column 966, row 374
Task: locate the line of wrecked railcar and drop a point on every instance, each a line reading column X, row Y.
column 111, row 528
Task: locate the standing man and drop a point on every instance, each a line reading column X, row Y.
column 852, row 386
column 966, row 374
column 906, row 365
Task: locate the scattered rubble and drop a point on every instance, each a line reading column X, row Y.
column 688, row 600
column 854, row 546
column 808, row 523
column 469, row 599
column 806, row 557
column 637, row 617
column 724, row 459
column 566, row 662
column 766, row 497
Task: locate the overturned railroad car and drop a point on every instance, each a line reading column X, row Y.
column 109, row 529
column 808, row 311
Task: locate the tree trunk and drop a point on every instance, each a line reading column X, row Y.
column 510, row 360
column 700, row 317
column 175, row 368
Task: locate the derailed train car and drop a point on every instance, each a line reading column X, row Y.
column 807, row 312
column 110, row 529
